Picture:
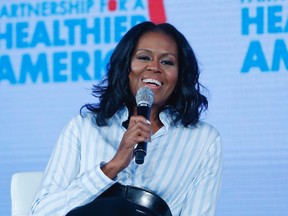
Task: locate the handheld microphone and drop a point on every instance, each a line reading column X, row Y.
column 144, row 100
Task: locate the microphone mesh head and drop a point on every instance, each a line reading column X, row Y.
column 144, row 96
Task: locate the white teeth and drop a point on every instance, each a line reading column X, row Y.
column 153, row 81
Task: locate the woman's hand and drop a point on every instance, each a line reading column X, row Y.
column 139, row 130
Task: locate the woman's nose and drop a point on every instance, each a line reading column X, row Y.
column 154, row 66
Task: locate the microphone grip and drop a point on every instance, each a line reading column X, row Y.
column 140, row 152
column 141, row 148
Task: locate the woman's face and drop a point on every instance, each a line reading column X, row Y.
column 155, row 64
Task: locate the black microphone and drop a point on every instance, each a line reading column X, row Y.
column 144, row 100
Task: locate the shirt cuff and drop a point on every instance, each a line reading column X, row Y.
column 95, row 181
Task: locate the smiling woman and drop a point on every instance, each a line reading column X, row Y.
column 183, row 165
column 155, row 64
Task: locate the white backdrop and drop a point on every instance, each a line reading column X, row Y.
column 51, row 52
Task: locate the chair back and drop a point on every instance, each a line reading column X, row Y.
column 24, row 186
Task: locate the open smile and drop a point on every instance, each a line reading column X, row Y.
column 152, row 82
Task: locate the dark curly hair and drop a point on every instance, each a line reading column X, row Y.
column 186, row 102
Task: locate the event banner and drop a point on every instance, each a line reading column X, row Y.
column 47, row 41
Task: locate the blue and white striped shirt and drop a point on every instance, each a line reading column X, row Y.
column 182, row 165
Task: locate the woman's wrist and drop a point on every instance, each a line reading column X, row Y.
column 109, row 169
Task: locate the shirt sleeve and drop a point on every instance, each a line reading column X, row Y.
column 63, row 186
column 202, row 196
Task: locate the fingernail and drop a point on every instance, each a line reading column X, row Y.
column 148, row 122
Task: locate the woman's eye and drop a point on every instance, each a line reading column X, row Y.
column 143, row 58
column 167, row 62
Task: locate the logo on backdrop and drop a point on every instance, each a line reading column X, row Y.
column 66, row 41
column 263, row 21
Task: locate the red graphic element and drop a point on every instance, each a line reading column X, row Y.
column 157, row 11
column 112, row 5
